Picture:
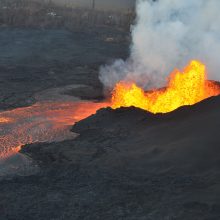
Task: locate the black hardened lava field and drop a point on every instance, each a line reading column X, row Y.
column 109, row 110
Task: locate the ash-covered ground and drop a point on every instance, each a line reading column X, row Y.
column 32, row 60
column 126, row 164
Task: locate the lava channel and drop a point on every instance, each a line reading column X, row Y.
column 41, row 122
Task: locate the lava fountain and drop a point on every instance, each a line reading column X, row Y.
column 51, row 121
column 184, row 88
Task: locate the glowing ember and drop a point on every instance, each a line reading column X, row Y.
column 4, row 120
column 184, row 88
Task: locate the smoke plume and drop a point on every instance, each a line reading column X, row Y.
column 168, row 34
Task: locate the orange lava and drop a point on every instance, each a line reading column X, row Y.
column 42, row 122
column 4, row 120
column 51, row 121
column 184, row 88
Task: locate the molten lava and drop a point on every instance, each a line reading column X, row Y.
column 184, row 88
column 4, row 120
column 41, row 122
column 51, row 121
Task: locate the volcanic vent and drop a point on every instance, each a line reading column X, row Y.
column 50, row 121
column 184, row 88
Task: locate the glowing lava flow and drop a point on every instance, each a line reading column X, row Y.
column 184, row 88
column 51, row 121
column 42, row 122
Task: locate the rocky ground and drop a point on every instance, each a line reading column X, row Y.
column 32, row 60
column 126, row 164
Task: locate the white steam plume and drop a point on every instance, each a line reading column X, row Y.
column 168, row 34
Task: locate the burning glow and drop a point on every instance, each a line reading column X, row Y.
column 51, row 121
column 184, row 88
column 4, row 120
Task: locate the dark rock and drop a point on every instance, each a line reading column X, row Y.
column 125, row 164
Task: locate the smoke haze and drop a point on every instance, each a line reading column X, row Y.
column 168, row 34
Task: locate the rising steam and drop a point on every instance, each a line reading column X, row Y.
column 168, row 33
